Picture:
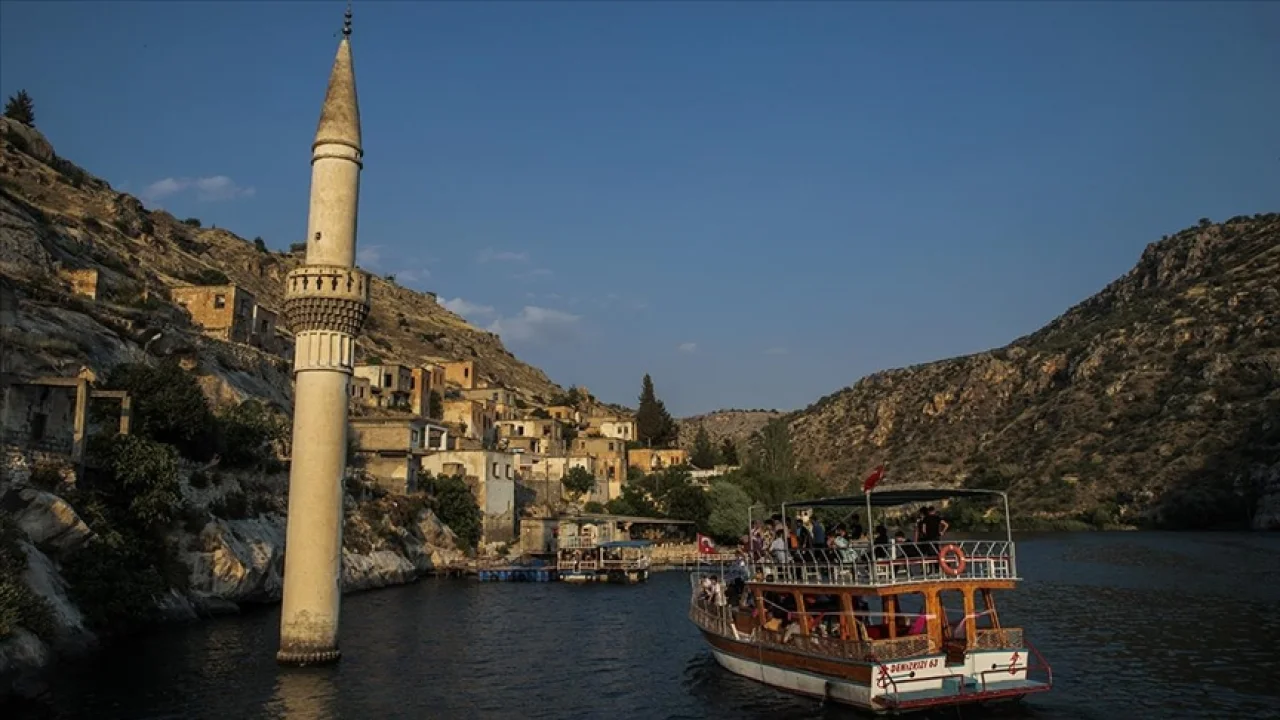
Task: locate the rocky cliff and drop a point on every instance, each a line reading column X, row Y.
column 1155, row 401
column 736, row 425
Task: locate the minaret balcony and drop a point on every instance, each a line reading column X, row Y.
column 326, row 297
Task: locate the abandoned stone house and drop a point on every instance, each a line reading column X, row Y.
column 390, row 449
column 50, row 415
column 230, row 313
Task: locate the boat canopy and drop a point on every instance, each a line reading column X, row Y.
column 892, row 498
column 625, row 544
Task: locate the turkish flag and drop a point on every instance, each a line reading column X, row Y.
column 705, row 546
column 872, row 479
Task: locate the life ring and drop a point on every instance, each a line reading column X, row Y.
column 952, row 560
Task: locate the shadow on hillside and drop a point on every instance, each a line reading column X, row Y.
column 1229, row 489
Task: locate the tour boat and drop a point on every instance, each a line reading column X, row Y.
column 889, row 628
column 618, row 561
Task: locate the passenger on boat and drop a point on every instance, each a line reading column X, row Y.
column 903, row 549
column 779, row 547
column 931, row 528
column 855, row 530
column 819, row 534
column 803, row 537
column 880, row 543
column 841, row 545
column 920, row 626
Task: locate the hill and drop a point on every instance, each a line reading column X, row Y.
column 1155, row 401
column 737, row 425
column 54, row 215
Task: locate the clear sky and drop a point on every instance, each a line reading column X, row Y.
column 757, row 203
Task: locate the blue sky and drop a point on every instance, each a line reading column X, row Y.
column 757, row 203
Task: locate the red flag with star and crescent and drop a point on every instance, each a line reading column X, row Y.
column 872, row 479
column 705, row 546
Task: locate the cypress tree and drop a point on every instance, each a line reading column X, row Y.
column 728, row 452
column 653, row 423
column 704, row 454
column 21, row 108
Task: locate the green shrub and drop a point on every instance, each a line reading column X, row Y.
column 19, row 606
column 456, row 506
column 115, row 584
column 232, row 506
column 192, row 222
column 246, row 433
column 168, row 407
column 46, row 476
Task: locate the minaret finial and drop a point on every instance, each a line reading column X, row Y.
column 346, row 21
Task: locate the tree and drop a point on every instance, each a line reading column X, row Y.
column 168, row 407
column 688, row 502
column 260, row 244
column 728, row 452
column 704, row 455
column 653, row 423
column 456, row 506
column 632, row 501
column 435, row 405
column 578, row 482
column 729, row 506
column 21, row 108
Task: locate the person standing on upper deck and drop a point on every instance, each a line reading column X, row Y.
column 933, row 528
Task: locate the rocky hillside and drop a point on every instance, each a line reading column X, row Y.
column 1156, row 400
column 737, row 425
column 53, row 214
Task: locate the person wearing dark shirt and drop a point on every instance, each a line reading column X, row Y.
column 880, row 543
column 932, row 528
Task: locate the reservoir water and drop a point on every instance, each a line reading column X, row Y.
column 1135, row 625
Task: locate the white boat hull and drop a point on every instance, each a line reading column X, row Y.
column 841, row 691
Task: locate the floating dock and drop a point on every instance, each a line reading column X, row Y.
column 518, row 574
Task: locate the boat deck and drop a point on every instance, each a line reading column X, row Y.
column 865, row 565
column 956, row 692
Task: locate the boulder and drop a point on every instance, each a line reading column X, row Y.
column 27, row 139
column 49, row 521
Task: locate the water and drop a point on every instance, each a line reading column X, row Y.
column 1135, row 625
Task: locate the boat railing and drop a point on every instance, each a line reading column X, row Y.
column 866, row 565
column 719, row 620
column 998, row 638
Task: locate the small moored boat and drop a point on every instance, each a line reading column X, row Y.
column 885, row 627
column 618, row 561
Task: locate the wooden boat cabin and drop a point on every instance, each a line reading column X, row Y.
column 887, row 627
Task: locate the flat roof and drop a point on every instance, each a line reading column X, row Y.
column 890, row 498
column 625, row 518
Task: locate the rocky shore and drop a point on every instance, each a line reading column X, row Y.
column 228, row 562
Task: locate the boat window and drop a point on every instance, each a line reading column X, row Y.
column 984, row 605
column 911, row 617
column 952, row 602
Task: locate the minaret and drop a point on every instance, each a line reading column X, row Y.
column 326, row 302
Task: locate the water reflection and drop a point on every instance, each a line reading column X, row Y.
column 1136, row 625
column 304, row 694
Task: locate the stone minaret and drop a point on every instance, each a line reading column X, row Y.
column 326, row 302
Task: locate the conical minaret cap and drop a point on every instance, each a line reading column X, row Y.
column 340, row 116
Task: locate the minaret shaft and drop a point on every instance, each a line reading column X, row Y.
column 326, row 302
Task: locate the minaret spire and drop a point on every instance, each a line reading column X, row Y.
column 340, row 115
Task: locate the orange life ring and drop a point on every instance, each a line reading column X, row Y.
column 952, row 560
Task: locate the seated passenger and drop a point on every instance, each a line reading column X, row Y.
column 920, row 626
